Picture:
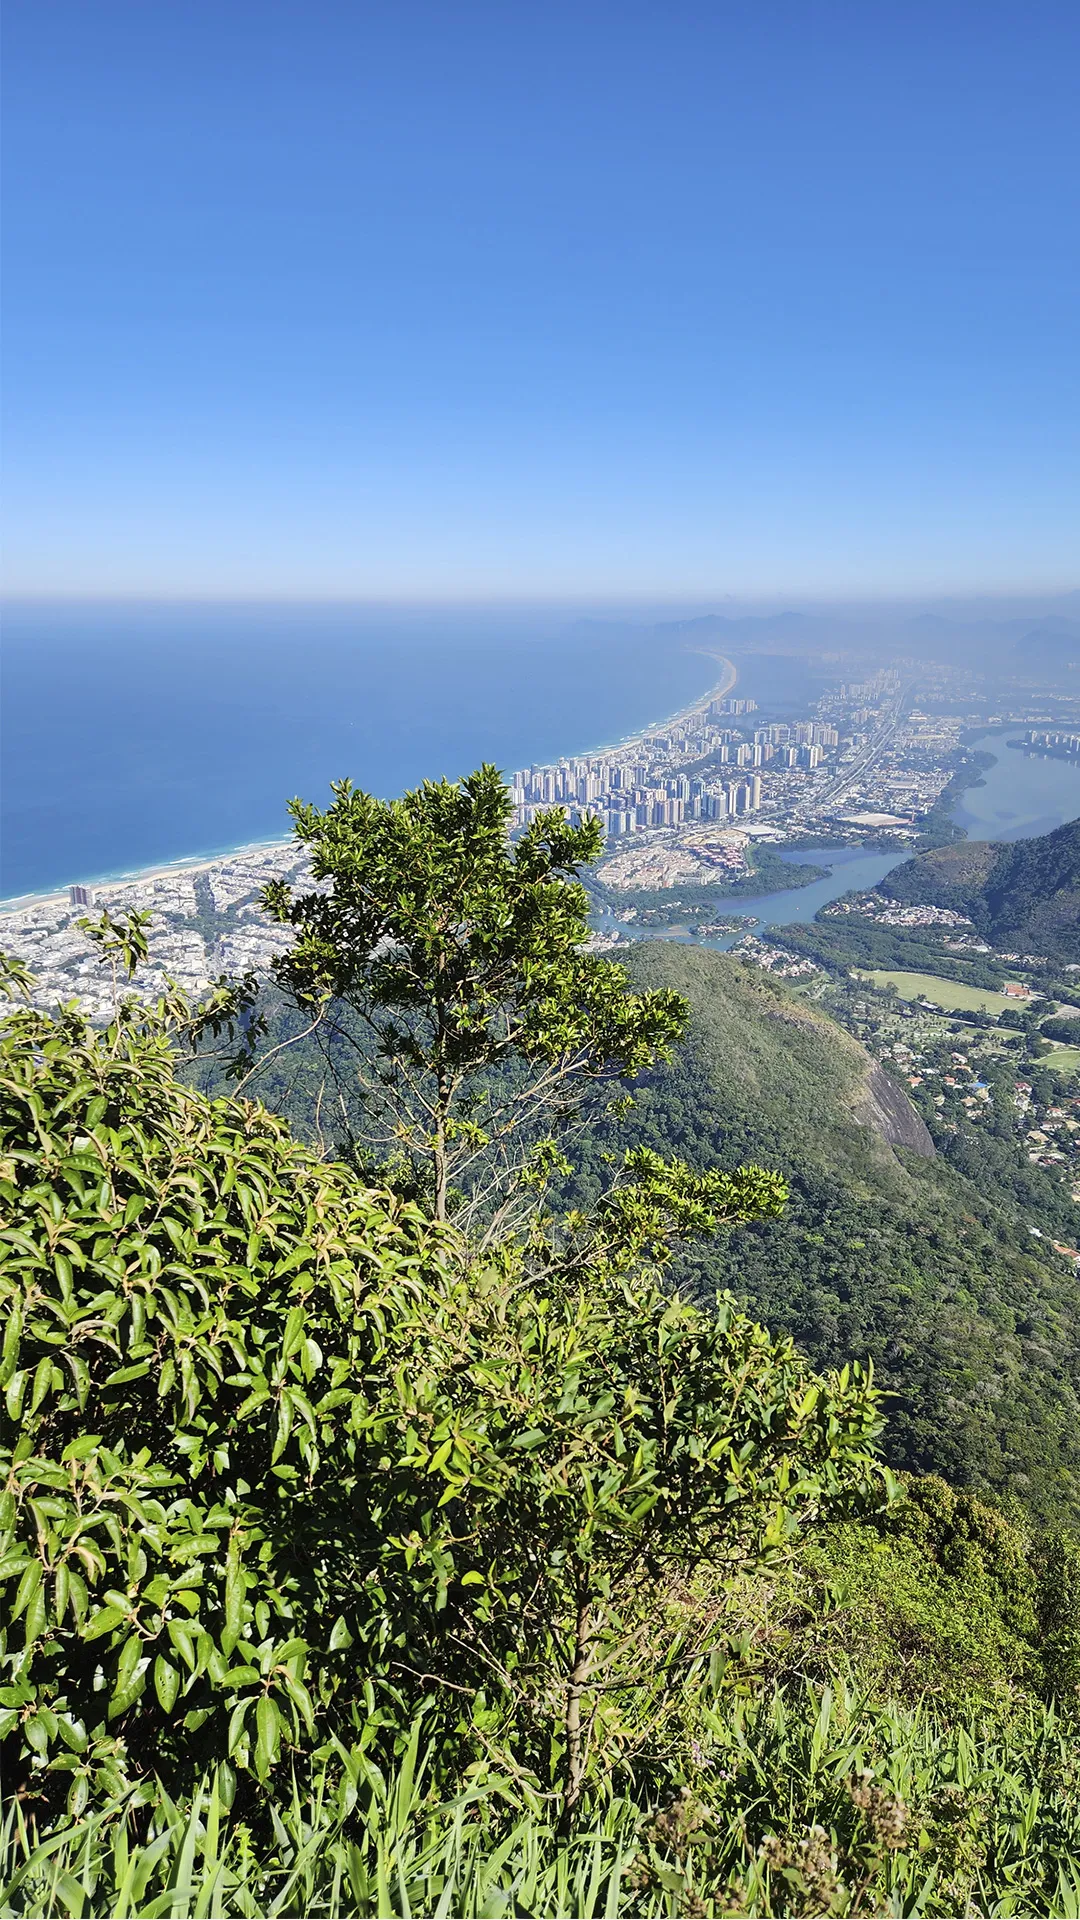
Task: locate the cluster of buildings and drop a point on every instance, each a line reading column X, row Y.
column 206, row 921
column 1057, row 743
column 874, row 906
column 860, row 760
column 632, row 799
column 694, row 858
column 693, row 769
column 773, row 958
column 906, row 774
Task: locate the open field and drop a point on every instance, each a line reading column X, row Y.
column 951, row 994
column 1063, row 1060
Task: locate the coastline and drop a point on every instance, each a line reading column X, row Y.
column 201, row 862
column 187, row 863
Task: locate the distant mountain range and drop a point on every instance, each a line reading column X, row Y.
column 1038, row 641
column 1053, row 643
column 1022, row 893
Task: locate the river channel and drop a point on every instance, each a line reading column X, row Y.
column 1021, row 795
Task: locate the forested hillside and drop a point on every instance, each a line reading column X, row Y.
column 882, row 1251
column 1018, row 893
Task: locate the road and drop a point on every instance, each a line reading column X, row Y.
column 858, row 768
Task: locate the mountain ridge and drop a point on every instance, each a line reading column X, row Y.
column 1015, row 891
column 972, row 1325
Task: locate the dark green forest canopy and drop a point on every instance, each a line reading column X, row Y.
column 1022, row 891
column 880, row 1252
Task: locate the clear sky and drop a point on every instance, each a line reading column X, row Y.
column 541, row 297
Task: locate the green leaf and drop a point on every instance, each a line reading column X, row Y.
column 166, row 1683
column 105, row 1620
column 268, row 1735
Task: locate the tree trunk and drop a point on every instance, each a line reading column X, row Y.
column 575, row 1743
column 440, row 1170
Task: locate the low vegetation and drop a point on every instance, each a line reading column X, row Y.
column 943, row 993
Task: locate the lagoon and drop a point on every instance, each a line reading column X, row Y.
column 1020, row 795
column 851, row 869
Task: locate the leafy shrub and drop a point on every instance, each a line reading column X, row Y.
column 940, row 1599
column 280, row 1461
column 191, row 1306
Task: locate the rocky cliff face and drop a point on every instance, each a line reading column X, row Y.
column 883, row 1105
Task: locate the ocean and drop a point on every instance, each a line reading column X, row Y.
column 138, row 734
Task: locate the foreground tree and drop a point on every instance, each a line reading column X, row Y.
column 444, row 971
column 281, row 1461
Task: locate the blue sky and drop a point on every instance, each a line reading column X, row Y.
column 395, row 299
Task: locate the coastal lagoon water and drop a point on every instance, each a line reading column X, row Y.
column 851, row 869
column 1021, row 795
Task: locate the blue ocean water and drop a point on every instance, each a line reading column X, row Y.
column 138, row 734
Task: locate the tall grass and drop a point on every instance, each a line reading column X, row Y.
column 816, row 1802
